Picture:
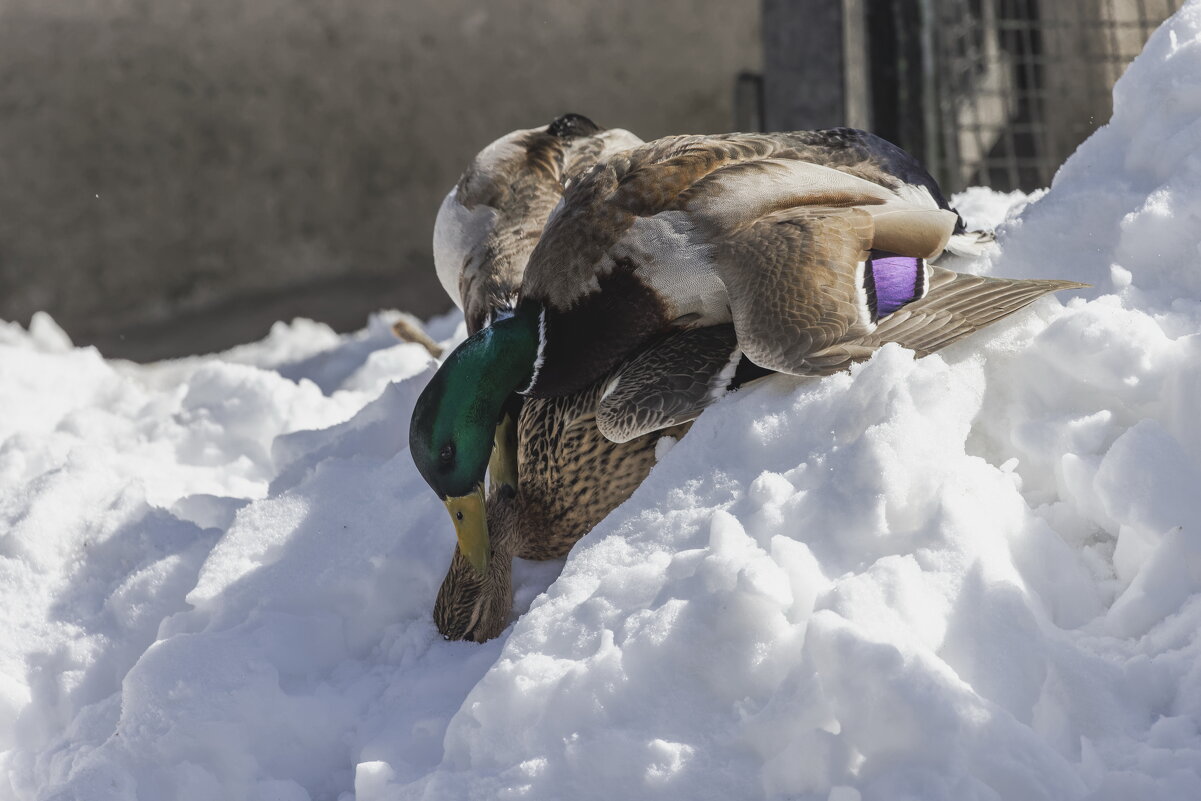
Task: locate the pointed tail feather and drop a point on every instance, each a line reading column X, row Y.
column 957, row 305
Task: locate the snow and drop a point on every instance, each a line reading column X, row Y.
column 971, row 576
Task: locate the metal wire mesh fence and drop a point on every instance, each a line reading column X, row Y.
column 1016, row 84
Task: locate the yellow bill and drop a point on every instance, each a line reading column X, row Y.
column 471, row 527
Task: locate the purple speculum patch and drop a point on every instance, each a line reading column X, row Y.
column 893, row 281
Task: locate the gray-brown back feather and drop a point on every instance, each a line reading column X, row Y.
column 668, row 383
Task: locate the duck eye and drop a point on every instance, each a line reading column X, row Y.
column 448, row 452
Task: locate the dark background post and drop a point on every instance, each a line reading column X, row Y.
column 815, row 64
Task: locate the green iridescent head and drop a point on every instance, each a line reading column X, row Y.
column 451, row 434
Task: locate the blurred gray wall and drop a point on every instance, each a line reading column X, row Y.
column 176, row 174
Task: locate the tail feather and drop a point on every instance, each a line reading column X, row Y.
column 957, row 305
column 970, row 244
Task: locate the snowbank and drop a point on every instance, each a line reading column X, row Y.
column 973, row 576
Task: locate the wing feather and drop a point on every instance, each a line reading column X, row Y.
column 791, row 281
column 669, row 383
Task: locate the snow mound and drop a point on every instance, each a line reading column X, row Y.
column 971, row 576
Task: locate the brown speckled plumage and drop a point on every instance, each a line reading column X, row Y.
column 570, row 477
column 519, row 179
column 524, row 196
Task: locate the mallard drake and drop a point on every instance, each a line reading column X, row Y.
column 553, row 474
column 669, row 267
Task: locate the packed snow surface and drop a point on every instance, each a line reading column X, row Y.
column 971, row 576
